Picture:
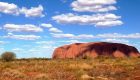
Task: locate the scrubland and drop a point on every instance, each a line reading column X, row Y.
column 71, row 69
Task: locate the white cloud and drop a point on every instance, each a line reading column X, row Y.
column 45, row 42
column 33, row 12
column 22, row 37
column 84, row 36
column 46, row 25
column 106, row 35
column 73, row 41
column 22, row 28
column 9, row 8
column 94, row 9
column 72, row 36
column 116, row 40
column 55, row 30
column 62, row 35
column 95, row 2
column 51, row 28
column 17, row 50
column 70, row 41
column 98, row 19
column 109, row 23
column 2, row 42
column 117, row 35
column 93, row 5
column 107, row 19
column 34, row 51
column 13, row 9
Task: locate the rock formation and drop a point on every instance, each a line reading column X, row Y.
column 95, row 49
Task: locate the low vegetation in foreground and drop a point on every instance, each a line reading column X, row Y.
column 71, row 69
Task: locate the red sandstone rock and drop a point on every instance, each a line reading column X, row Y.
column 95, row 49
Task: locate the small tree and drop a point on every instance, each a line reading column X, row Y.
column 8, row 56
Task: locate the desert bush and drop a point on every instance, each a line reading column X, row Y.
column 8, row 56
column 87, row 57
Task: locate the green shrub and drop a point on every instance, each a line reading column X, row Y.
column 8, row 56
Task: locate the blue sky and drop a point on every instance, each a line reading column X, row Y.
column 34, row 28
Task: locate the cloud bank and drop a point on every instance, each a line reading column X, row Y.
column 22, row 37
column 93, row 5
column 98, row 18
column 13, row 9
column 22, row 28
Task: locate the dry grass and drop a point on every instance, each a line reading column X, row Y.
column 71, row 69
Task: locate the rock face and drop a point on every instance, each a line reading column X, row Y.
column 95, row 49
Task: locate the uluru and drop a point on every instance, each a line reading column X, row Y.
column 95, row 49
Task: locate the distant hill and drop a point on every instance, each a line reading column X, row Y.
column 95, row 49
